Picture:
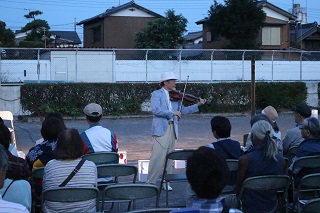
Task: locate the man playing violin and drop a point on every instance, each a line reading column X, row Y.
column 166, row 114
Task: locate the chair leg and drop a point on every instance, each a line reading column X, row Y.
column 167, row 194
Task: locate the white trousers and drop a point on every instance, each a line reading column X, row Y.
column 161, row 147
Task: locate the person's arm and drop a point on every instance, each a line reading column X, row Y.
column 242, row 168
column 114, row 142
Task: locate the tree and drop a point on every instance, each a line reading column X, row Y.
column 6, row 36
column 37, row 31
column 166, row 32
column 33, row 14
column 239, row 21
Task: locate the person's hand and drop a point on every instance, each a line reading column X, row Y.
column 201, row 101
column 177, row 113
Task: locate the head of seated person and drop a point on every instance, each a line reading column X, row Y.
column 310, row 128
column 5, row 136
column 221, row 127
column 69, row 145
column 207, row 172
column 51, row 128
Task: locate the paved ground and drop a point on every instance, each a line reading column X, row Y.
column 134, row 138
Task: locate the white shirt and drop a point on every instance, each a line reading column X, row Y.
column 168, row 99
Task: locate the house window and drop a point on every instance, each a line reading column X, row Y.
column 96, row 33
column 208, row 36
column 271, row 36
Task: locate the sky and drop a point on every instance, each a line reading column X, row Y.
column 62, row 14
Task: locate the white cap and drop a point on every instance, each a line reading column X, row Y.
column 167, row 76
column 93, row 110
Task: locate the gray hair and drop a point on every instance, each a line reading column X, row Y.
column 4, row 162
column 312, row 124
column 263, row 132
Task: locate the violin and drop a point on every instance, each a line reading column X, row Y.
column 176, row 95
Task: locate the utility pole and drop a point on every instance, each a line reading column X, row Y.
column 44, row 37
column 75, row 24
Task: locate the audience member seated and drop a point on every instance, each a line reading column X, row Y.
column 258, row 117
column 15, row 196
column 264, row 159
column 18, row 168
column 11, row 148
column 41, row 154
column 67, row 155
column 207, row 173
column 96, row 137
column 230, row 149
column 293, row 137
column 310, row 131
column 50, row 115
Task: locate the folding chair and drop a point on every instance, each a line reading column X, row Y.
column 309, row 184
column 37, row 176
column 116, row 171
column 233, row 167
column 129, row 193
column 280, row 183
column 181, row 177
column 7, row 116
column 291, row 153
column 308, row 162
column 312, row 206
column 102, row 157
column 70, row 194
column 158, row 210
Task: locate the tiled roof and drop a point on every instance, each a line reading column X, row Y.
column 113, row 10
column 70, row 36
column 193, row 35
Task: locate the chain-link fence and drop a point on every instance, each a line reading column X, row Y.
column 145, row 65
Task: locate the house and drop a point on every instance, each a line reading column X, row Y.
column 117, row 26
column 64, row 39
column 305, row 36
column 273, row 35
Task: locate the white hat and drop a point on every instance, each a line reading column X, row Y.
column 93, row 110
column 271, row 112
column 167, row 76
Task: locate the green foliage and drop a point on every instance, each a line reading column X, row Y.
column 6, row 36
column 239, row 21
column 31, row 44
column 120, row 99
column 33, row 14
column 166, row 33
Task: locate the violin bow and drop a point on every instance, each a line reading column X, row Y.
column 183, row 93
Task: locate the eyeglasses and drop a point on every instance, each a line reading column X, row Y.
column 305, row 127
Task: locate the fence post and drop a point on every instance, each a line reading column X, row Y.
column 244, row 52
column 211, row 59
column 76, row 64
column 301, row 66
column 38, row 66
column 273, row 52
column 0, row 67
column 180, row 63
column 113, row 67
column 147, row 66
column 253, row 85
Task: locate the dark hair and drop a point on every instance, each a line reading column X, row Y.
column 221, row 125
column 4, row 161
column 56, row 115
column 207, row 172
column 5, row 136
column 260, row 117
column 162, row 83
column 313, row 125
column 1, row 121
column 51, row 128
column 69, row 145
column 94, row 119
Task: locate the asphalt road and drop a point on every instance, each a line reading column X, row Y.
column 134, row 133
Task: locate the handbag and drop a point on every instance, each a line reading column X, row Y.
column 72, row 173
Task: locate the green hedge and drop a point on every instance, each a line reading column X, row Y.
column 126, row 98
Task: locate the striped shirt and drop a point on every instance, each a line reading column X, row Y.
column 56, row 171
column 100, row 139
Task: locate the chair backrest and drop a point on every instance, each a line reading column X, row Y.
column 291, row 153
column 266, row 182
column 127, row 192
column 102, row 157
column 70, row 194
column 180, row 154
column 6, row 115
column 307, row 162
column 310, row 181
column 37, row 173
column 312, row 206
column 157, row 210
column 117, row 170
column 232, row 164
